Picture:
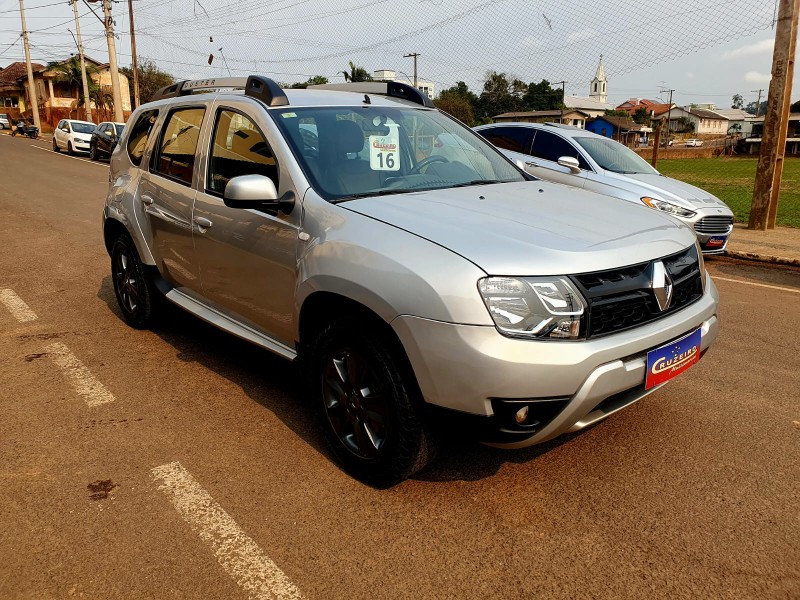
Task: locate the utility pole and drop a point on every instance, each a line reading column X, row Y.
column 112, row 61
column 776, row 118
column 135, row 63
column 758, row 102
column 669, row 114
column 87, row 106
column 413, row 55
column 563, row 95
column 32, row 96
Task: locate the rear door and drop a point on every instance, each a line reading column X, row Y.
column 167, row 191
column 248, row 257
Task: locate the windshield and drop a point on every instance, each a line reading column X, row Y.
column 82, row 127
column 119, row 129
column 349, row 152
column 613, row 156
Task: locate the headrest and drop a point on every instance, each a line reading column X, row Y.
column 348, row 137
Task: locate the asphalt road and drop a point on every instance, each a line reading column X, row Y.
column 183, row 463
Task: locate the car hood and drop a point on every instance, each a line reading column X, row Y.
column 532, row 228
column 86, row 137
column 679, row 192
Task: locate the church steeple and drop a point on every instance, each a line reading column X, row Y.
column 598, row 88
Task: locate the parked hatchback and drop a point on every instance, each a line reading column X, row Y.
column 589, row 161
column 5, row 123
column 405, row 284
column 104, row 139
column 72, row 136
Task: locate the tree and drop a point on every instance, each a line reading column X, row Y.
column 737, row 101
column 542, row 96
column 151, row 79
column 751, row 108
column 356, row 73
column 315, row 80
column 617, row 113
column 641, row 116
column 69, row 72
column 456, row 105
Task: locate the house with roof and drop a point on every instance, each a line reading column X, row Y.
column 623, row 130
column 702, row 120
column 753, row 141
column 58, row 99
column 576, row 118
column 631, row 105
column 13, row 96
column 740, row 121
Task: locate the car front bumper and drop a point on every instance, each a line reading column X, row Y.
column 475, row 370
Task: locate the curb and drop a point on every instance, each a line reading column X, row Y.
column 765, row 258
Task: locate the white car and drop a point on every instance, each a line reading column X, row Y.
column 73, row 136
column 694, row 143
column 582, row 159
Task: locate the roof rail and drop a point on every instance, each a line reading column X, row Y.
column 393, row 89
column 256, row 86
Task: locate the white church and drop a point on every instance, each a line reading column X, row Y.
column 596, row 103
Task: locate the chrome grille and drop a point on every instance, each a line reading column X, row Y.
column 620, row 299
column 714, row 225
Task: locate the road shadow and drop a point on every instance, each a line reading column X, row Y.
column 279, row 386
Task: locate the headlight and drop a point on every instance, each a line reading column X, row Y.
column 668, row 207
column 534, row 307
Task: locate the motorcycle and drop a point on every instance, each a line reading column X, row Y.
column 28, row 130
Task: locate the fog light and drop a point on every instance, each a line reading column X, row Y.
column 521, row 415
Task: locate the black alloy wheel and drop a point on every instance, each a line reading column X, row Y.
column 368, row 403
column 93, row 152
column 135, row 292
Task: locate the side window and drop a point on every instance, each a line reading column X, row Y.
column 238, row 148
column 552, row 147
column 60, row 124
column 174, row 156
column 140, row 133
column 516, row 139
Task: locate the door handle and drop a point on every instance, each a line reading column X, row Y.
column 146, row 199
column 530, row 163
column 202, row 222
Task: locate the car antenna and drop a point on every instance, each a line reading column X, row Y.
column 367, row 100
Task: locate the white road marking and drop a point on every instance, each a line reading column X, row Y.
column 16, row 306
column 86, row 160
column 764, row 285
column 238, row 554
column 94, row 393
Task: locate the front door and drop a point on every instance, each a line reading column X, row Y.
column 545, row 151
column 247, row 257
column 167, row 194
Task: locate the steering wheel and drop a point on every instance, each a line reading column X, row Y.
column 425, row 162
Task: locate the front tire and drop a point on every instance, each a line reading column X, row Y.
column 93, row 152
column 368, row 404
column 135, row 292
column 55, row 146
column 70, row 151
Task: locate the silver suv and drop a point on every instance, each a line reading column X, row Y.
column 583, row 159
column 413, row 270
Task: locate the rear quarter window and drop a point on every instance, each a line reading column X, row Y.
column 140, row 134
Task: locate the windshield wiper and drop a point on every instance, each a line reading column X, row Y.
column 369, row 194
column 477, row 182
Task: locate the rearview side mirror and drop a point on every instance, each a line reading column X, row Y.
column 256, row 191
column 571, row 163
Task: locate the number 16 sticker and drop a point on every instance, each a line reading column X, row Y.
column 383, row 153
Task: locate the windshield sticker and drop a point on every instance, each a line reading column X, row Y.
column 288, row 115
column 383, row 152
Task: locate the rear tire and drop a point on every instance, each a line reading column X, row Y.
column 368, row 404
column 136, row 294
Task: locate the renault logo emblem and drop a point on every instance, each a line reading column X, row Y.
column 662, row 285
